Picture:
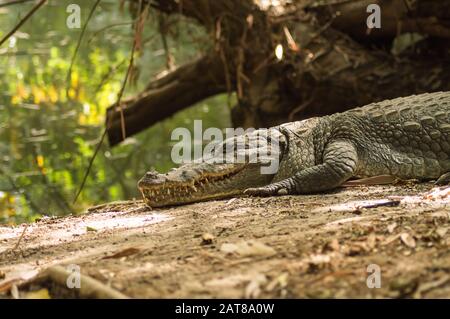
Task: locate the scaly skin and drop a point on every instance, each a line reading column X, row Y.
column 405, row 137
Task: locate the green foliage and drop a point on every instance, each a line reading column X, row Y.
column 49, row 128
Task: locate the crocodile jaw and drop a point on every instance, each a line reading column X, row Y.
column 194, row 183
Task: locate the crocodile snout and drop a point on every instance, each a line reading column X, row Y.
column 151, row 178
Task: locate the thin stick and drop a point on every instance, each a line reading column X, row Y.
column 108, row 27
column 10, row 3
column 108, row 75
column 69, row 73
column 119, row 98
column 21, row 22
column 130, row 65
column 89, row 287
column 91, row 161
column 20, row 238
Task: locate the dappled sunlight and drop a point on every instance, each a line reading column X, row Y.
column 127, row 222
column 98, row 224
column 105, row 223
column 8, row 233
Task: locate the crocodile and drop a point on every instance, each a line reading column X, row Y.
column 406, row 137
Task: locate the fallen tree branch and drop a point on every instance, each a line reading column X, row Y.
column 89, row 287
column 424, row 16
column 177, row 90
column 20, row 238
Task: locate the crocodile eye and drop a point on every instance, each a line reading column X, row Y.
column 151, row 175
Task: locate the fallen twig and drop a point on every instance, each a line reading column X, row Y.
column 89, row 287
column 119, row 98
column 20, row 238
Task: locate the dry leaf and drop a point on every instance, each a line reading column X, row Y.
column 390, row 239
column 124, row 253
column 441, row 231
column 207, row 239
column 408, row 240
column 15, row 292
column 371, row 241
column 391, row 227
column 253, row 289
column 281, row 281
column 248, row 248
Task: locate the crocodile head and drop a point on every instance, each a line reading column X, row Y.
column 194, row 182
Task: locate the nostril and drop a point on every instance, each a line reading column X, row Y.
column 151, row 175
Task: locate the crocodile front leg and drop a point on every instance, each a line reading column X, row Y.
column 444, row 179
column 339, row 164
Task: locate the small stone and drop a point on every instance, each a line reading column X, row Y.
column 441, row 231
column 207, row 239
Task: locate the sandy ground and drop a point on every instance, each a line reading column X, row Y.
column 317, row 246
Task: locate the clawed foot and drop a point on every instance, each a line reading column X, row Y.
column 444, row 179
column 266, row 191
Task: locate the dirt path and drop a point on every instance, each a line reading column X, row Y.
column 291, row 246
